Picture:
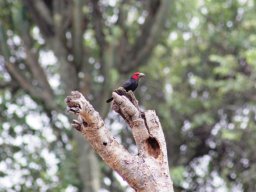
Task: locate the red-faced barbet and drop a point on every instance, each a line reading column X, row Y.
column 131, row 83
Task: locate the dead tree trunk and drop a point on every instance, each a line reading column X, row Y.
column 146, row 172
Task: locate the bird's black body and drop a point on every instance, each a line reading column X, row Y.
column 131, row 84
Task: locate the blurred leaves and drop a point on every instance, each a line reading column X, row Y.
column 250, row 56
column 231, row 135
column 200, row 79
column 177, row 175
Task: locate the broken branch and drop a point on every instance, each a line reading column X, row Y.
column 146, row 171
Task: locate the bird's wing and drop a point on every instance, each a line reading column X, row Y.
column 126, row 84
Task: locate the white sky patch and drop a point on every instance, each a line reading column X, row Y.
column 201, row 168
column 218, row 183
column 99, row 78
column 51, row 161
column 54, row 81
column 141, row 18
column 11, row 108
column 71, row 188
column 113, row 18
column 132, row 15
column 194, row 23
column 216, row 129
column 33, row 142
column 29, row 102
column 129, row 190
column 168, row 88
column 166, row 70
column 17, row 141
column 1, row 142
column 14, row 177
column 16, row 40
column 186, row 126
column 3, row 166
column 48, row 134
column 204, row 10
column 103, row 190
column 19, row 158
column 107, row 181
column 111, row 3
column 3, row 71
column 242, row 119
column 186, row 36
column 122, row 182
column 68, row 35
column 64, row 120
column 34, row 121
column 33, row 165
column 173, row 36
column 88, row 35
column 242, row 1
column 133, row 149
column 37, row 36
column 116, row 127
column 47, row 58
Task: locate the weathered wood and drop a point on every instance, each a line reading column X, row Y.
column 146, row 172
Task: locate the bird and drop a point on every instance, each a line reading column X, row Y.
column 130, row 84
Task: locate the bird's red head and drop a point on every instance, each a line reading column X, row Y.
column 137, row 75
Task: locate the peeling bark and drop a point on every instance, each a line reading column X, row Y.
column 146, row 172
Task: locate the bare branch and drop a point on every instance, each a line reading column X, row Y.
column 91, row 125
column 77, row 36
column 150, row 33
column 4, row 85
column 105, row 51
column 68, row 70
column 32, row 63
column 60, row 8
column 41, row 15
column 146, row 172
column 27, row 86
column 44, row 11
column 98, row 23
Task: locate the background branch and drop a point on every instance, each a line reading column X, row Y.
column 149, row 34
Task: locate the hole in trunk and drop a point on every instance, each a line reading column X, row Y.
column 153, row 147
column 105, row 143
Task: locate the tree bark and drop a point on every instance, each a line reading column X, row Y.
column 148, row 171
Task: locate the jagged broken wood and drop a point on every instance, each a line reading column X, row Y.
column 148, row 171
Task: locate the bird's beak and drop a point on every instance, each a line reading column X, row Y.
column 141, row 75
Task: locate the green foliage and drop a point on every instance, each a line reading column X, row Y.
column 250, row 56
column 232, row 135
column 177, row 175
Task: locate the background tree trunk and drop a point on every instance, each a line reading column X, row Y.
column 88, row 165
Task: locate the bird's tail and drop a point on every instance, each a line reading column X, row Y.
column 109, row 100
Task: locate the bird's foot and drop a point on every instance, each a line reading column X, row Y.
column 130, row 95
column 120, row 91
